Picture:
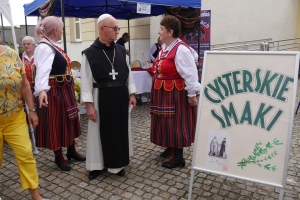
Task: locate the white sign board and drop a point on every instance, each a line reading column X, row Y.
column 143, row 8
column 245, row 115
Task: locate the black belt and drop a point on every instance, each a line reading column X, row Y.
column 110, row 84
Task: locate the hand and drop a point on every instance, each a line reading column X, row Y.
column 127, row 52
column 91, row 112
column 193, row 101
column 197, row 64
column 132, row 101
column 43, row 99
column 33, row 119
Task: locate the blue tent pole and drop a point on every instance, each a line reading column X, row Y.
column 106, row 7
column 63, row 19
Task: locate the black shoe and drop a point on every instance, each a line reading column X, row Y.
column 72, row 153
column 166, row 153
column 173, row 164
column 94, row 174
column 176, row 161
column 60, row 161
column 121, row 173
column 63, row 166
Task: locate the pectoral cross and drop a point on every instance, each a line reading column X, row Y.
column 113, row 73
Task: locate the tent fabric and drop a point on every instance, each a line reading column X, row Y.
column 93, row 9
column 6, row 12
column 33, row 6
column 182, row 3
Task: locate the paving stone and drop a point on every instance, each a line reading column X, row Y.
column 145, row 177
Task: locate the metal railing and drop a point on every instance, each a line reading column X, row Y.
column 256, row 45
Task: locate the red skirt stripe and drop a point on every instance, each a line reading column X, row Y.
column 57, row 127
column 176, row 130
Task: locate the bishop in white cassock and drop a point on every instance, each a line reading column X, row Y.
column 107, row 89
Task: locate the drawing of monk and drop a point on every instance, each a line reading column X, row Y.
column 213, row 147
column 222, row 150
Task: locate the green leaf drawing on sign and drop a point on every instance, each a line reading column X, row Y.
column 257, row 158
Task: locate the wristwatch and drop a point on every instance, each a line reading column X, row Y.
column 32, row 110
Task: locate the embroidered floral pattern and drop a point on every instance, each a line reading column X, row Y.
column 11, row 69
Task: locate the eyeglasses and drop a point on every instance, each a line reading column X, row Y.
column 114, row 28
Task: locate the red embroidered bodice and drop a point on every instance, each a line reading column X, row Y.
column 166, row 73
column 29, row 68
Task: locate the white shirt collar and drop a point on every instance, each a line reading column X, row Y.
column 51, row 42
column 170, row 47
column 25, row 56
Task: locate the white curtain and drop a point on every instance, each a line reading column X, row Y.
column 6, row 12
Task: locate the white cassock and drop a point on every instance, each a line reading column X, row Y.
column 94, row 156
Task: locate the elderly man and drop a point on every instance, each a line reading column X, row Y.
column 108, row 93
column 29, row 44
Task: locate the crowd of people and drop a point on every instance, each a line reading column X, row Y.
column 41, row 77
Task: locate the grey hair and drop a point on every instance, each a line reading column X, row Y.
column 29, row 38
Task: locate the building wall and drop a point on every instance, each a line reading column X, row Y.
column 244, row 20
column 20, row 34
column 30, row 30
column 154, row 28
column 88, row 35
column 139, row 37
column 298, row 21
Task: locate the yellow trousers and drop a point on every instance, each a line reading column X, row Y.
column 14, row 130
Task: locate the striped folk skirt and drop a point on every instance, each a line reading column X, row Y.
column 173, row 120
column 59, row 123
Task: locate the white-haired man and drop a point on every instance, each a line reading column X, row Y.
column 107, row 91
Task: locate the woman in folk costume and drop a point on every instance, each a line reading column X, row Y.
column 173, row 96
column 58, row 122
column 27, row 57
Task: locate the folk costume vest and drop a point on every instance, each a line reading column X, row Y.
column 29, row 68
column 60, row 76
column 166, row 75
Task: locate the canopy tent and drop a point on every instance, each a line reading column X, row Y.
column 91, row 8
column 6, row 12
column 120, row 9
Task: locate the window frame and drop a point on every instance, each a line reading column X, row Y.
column 77, row 23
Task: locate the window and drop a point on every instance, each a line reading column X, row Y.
column 77, row 29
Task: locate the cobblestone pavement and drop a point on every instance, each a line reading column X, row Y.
column 145, row 177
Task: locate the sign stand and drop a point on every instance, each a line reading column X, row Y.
column 281, row 194
column 213, row 128
column 191, row 184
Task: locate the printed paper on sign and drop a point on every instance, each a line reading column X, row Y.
column 143, row 8
column 217, row 151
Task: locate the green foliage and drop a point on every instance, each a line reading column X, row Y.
column 9, row 27
column 258, row 151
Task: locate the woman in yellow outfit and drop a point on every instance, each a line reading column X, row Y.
column 13, row 126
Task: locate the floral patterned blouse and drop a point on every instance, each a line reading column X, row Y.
column 11, row 70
